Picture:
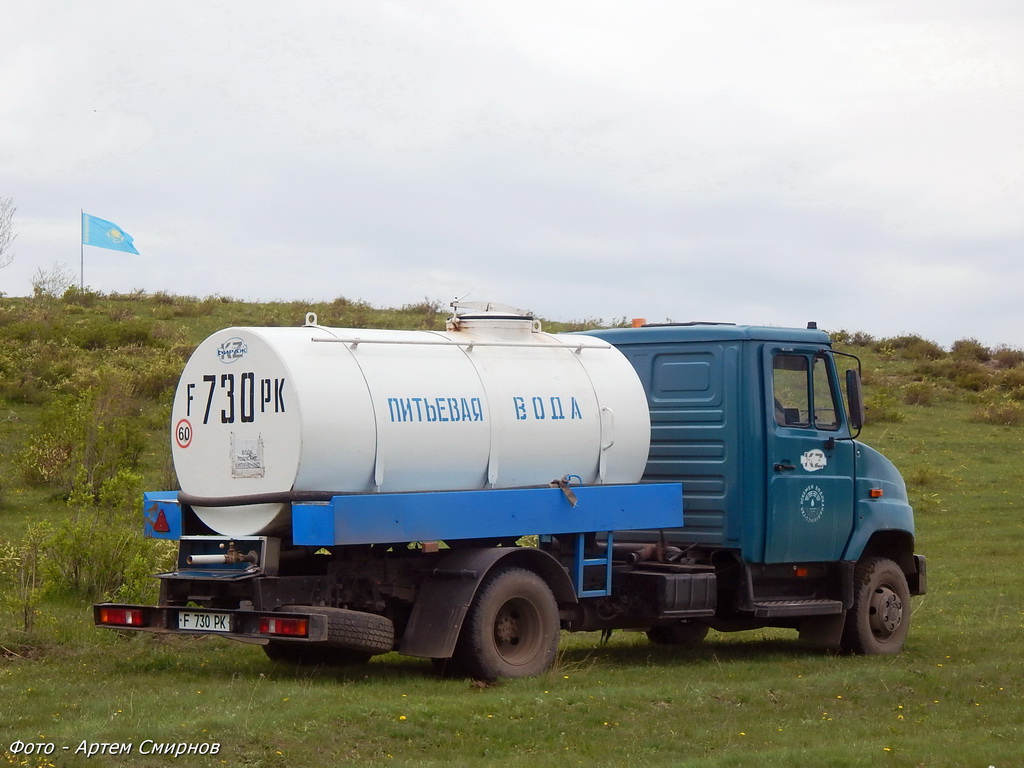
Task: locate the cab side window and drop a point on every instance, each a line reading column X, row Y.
column 790, row 381
column 825, row 411
column 804, row 396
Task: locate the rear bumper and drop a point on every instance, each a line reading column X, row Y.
column 246, row 626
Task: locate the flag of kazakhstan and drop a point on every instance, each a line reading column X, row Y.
column 105, row 234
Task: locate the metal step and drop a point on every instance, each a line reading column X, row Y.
column 768, row 609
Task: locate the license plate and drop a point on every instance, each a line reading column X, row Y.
column 194, row 621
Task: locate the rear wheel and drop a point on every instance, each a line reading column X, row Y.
column 511, row 629
column 879, row 620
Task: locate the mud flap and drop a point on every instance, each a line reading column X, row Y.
column 825, row 632
column 445, row 597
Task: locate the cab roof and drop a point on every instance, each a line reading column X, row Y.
column 660, row 333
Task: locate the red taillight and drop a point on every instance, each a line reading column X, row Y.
column 876, row 493
column 123, row 617
column 274, row 625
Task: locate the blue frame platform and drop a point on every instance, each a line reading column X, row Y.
column 379, row 518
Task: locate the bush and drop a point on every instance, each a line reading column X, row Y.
column 1011, row 381
column 962, row 373
column 883, row 406
column 910, row 347
column 843, row 338
column 1004, row 412
column 110, row 333
column 86, row 438
column 970, row 349
column 1007, row 357
column 21, row 575
column 75, row 296
column 96, row 552
column 919, row 393
column 968, row 374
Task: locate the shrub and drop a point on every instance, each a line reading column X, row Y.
column 186, row 306
column 910, row 347
column 883, row 406
column 1011, row 381
column 51, row 283
column 110, row 333
column 846, row 338
column 960, row 372
column 970, row 349
column 349, row 314
column 75, row 296
column 968, row 374
column 1002, row 411
column 1007, row 357
column 97, row 552
column 21, row 573
column 919, row 393
column 85, row 438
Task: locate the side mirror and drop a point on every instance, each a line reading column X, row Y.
column 856, row 398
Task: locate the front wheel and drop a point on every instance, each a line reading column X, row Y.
column 879, row 620
column 511, row 629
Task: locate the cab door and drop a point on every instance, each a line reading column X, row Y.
column 811, row 469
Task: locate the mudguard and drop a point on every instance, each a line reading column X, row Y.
column 445, row 596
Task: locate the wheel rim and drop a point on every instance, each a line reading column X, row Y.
column 517, row 631
column 885, row 612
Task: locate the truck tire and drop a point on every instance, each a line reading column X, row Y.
column 511, row 629
column 879, row 619
column 680, row 633
column 352, row 638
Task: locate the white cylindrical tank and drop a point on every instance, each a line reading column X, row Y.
column 261, row 414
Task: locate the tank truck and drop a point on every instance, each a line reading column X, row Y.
column 466, row 495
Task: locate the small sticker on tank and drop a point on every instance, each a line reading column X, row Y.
column 247, row 457
column 231, row 350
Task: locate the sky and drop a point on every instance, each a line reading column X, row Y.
column 856, row 163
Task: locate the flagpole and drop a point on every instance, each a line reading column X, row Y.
column 81, row 250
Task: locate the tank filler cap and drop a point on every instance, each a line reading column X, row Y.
column 490, row 314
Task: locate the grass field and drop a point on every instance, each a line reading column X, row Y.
column 954, row 697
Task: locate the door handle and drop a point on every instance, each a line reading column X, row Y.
column 784, row 467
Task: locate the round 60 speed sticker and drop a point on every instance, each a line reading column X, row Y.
column 183, row 433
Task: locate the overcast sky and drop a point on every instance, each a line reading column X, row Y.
column 859, row 164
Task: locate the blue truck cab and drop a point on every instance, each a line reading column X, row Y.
column 803, row 525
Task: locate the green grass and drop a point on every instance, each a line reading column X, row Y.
column 736, row 701
column 954, row 697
